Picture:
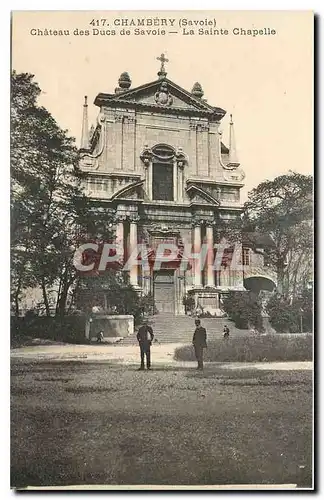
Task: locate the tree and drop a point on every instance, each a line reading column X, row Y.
column 50, row 214
column 300, row 261
column 291, row 316
column 282, row 209
column 113, row 293
column 46, row 197
column 244, row 308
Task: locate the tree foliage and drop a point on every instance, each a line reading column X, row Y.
column 113, row 293
column 282, row 209
column 294, row 316
column 50, row 214
column 244, row 308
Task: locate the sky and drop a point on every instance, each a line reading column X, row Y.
column 266, row 81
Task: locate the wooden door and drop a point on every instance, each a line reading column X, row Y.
column 164, row 296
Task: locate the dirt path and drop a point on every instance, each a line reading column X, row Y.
column 161, row 354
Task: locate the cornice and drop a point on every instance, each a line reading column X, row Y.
column 213, row 115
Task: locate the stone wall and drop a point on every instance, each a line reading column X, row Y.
column 111, row 325
column 126, row 133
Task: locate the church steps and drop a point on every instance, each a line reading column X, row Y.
column 179, row 329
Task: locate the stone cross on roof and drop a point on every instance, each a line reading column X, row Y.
column 162, row 73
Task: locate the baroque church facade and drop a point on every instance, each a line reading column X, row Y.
column 156, row 160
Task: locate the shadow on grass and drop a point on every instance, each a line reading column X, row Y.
column 90, row 389
column 57, row 366
column 53, row 379
column 25, row 391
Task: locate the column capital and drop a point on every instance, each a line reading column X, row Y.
column 196, row 220
column 134, row 218
column 120, row 217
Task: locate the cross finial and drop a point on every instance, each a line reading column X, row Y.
column 162, row 73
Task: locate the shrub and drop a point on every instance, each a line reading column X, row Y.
column 260, row 348
column 60, row 328
column 285, row 314
column 244, row 309
column 189, row 303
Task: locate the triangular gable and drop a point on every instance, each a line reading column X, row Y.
column 145, row 94
column 199, row 196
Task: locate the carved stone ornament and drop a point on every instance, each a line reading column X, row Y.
column 146, row 155
column 181, row 158
column 236, row 175
column 101, row 118
column 202, row 127
column 163, row 96
column 119, row 117
column 163, row 229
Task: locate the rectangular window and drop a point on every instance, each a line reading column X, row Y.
column 246, row 256
column 162, row 181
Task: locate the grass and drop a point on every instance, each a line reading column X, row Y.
column 110, row 424
column 259, row 348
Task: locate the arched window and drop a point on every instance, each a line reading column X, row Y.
column 163, row 172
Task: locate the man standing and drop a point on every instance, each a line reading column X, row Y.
column 145, row 338
column 199, row 342
column 226, row 332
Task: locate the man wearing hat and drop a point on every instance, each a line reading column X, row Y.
column 145, row 338
column 199, row 342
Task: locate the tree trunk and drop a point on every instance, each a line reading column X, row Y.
column 74, row 296
column 57, row 305
column 16, row 297
column 280, row 278
column 45, row 298
column 296, row 270
column 65, row 284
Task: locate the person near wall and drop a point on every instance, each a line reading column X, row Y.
column 226, row 332
column 100, row 337
column 145, row 338
column 199, row 342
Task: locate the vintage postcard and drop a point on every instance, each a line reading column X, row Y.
column 162, row 250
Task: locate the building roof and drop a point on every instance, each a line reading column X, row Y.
column 137, row 97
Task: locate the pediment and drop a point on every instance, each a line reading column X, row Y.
column 133, row 191
column 162, row 94
column 199, row 196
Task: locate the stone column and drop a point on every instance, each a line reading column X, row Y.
column 180, row 185
column 117, row 140
column 146, row 282
column 224, row 276
column 147, row 179
column 132, row 246
column 175, row 181
column 210, row 256
column 197, row 250
column 120, row 238
column 150, row 181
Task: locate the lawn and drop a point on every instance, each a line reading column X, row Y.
column 255, row 348
column 100, row 423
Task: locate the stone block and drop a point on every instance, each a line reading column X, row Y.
column 112, row 326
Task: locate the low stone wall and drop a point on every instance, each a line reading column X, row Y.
column 112, row 326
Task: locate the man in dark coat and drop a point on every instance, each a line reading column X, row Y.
column 226, row 332
column 145, row 338
column 199, row 342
